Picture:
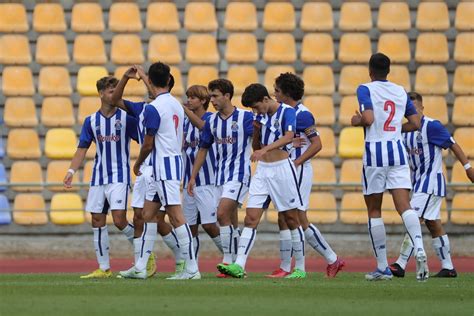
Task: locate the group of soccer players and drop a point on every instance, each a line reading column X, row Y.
column 210, row 155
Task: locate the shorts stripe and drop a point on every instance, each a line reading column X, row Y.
column 296, row 182
column 365, row 179
column 300, row 181
column 426, row 205
column 164, row 192
column 240, row 190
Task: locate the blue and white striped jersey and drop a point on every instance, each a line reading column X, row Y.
column 192, row 136
column 163, row 118
column 424, row 154
column 305, row 128
column 383, row 139
column 112, row 137
column 137, row 110
column 276, row 125
column 233, row 142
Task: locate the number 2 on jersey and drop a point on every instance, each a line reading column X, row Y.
column 386, row 126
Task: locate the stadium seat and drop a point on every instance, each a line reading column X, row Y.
column 394, row 16
column 240, row 16
column 125, row 17
column 162, row 17
column 178, row 89
column 322, row 108
column 353, row 209
column 318, row 80
column 17, row 81
column 351, row 77
column 462, row 209
column 432, row 16
column 431, row 80
column 14, row 49
column 202, row 49
column 54, row 80
column 464, row 48
column 126, row 49
column 464, row 137
column 351, row 173
column 463, row 82
column 13, row 18
column 87, row 78
column 432, row 48
column 87, row 17
column 23, row 143
column 395, row 45
column 355, row 16
column 20, row 112
column 354, row 48
column 57, row 112
column 241, row 48
column 272, row 72
column 5, row 211
column 329, row 143
column 241, row 77
column 165, row 48
column 55, row 173
column 322, row 208
column 459, row 178
column 463, row 111
column 87, row 171
column 317, row 48
column 89, row 49
column 279, row 48
column 278, row 17
column 29, row 209
column 26, row 172
column 200, row 17
column 389, row 212
column 87, row 106
column 464, row 13
column 324, row 172
column 399, row 74
column 60, row 143
column 133, row 87
column 49, row 17
column 351, row 142
column 347, row 108
column 436, row 107
column 51, row 49
column 316, row 17
column 202, row 75
column 3, row 177
column 67, row 209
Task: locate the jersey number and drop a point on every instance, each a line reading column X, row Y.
column 386, row 126
column 176, row 123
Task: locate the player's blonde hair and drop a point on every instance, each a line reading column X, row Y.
column 200, row 92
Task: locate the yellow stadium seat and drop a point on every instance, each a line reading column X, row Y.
column 351, row 173
column 436, row 107
column 126, row 49
column 347, row 108
column 324, row 172
column 240, row 16
column 464, row 13
column 241, row 77
column 57, row 112
column 431, row 48
column 87, row 17
column 464, row 137
column 318, row 80
column 89, row 49
column 316, row 16
column 162, row 17
column 322, row 208
column 87, row 106
column 67, row 209
column 351, row 142
column 60, row 143
column 463, row 111
column 14, row 49
column 55, row 173
column 20, row 112
column 464, row 80
column 202, row 49
column 328, row 141
column 200, row 17
column 29, row 209
column 395, row 45
column 272, row 72
column 394, row 16
column 165, row 48
column 26, row 172
column 462, row 212
column 279, row 48
column 317, row 48
column 464, row 48
column 389, row 213
column 17, row 81
column 351, row 77
column 87, row 171
column 87, row 78
column 13, row 18
column 322, row 107
column 133, row 87
column 458, row 177
column 178, row 89
column 431, row 80
column 49, row 17
column 51, row 49
column 202, row 75
column 241, row 48
column 125, row 17
column 23, row 143
column 54, row 80
column 278, row 16
column 354, row 48
column 355, row 16
column 399, row 74
column 432, row 16
column 353, row 209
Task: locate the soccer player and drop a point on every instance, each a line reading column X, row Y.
column 289, row 89
column 111, row 129
column 382, row 106
column 274, row 179
column 424, row 148
column 231, row 129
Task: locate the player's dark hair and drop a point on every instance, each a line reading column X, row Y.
column 379, row 65
column 254, row 93
column 159, row 74
column 106, row 82
column 200, row 92
column 171, row 83
column 290, row 85
column 223, row 85
column 415, row 96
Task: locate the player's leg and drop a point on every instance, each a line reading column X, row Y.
column 191, row 215
column 235, row 232
column 297, row 243
column 442, row 248
column 285, row 249
column 206, row 204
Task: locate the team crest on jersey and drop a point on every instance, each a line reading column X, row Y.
column 118, row 124
column 234, row 127
column 419, row 138
column 276, row 124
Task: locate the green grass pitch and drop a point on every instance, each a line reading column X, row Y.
column 348, row 294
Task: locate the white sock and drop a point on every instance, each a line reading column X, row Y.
column 196, row 244
column 235, row 242
column 443, row 251
column 128, row 232
column 101, row 245
column 246, row 241
column 137, row 244
column 316, row 240
column 185, row 241
column 285, row 250
column 406, row 250
column 147, row 242
column 172, row 242
column 413, row 227
column 217, row 241
column 378, row 240
column 226, row 233
column 297, row 243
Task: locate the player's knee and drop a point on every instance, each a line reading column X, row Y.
column 435, row 227
column 120, row 222
column 251, row 221
column 211, row 229
column 98, row 221
column 281, row 222
column 291, row 219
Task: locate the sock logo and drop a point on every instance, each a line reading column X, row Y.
column 232, row 191
column 292, row 201
column 418, row 236
column 118, row 201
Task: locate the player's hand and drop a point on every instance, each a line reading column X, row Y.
column 68, row 180
column 356, row 119
column 258, row 155
column 131, row 73
column 191, row 185
column 470, row 174
column 299, row 142
column 140, row 72
column 136, row 169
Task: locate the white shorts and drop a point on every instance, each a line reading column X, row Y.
column 427, row 206
column 276, row 182
column 304, row 174
column 166, row 192
column 102, row 198
column 202, row 207
column 233, row 190
column 379, row 179
column 140, row 186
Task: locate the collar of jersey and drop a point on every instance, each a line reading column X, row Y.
column 231, row 114
column 107, row 118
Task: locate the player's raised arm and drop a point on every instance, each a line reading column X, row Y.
column 143, row 77
column 117, row 100
column 193, row 118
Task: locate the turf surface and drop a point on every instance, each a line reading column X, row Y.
column 348, row 294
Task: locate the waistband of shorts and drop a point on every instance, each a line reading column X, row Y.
column 274, row 163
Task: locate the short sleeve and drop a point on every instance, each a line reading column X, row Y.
column 306, row 124
column 363, row 96
column 438, row 135
column 87, row 136
column 132, row 128
column 207, row 139
column 248, row 123
column 134, row 108
column 289, row 120
column 410, row 108
column 151, row 120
